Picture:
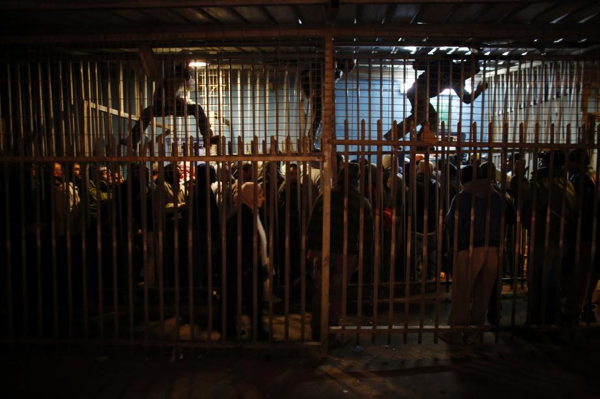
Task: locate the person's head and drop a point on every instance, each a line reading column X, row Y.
column 248, row 196
column 486, row 170
column 344, row 67
column 556, row 157
column 201, row 173
column 104, row 174
column 117, row 176
column 511, row 160
column 424, row 167
column 578, row 160
column 353, row 170
column 154, row 171
column 450, row 171
column 76, row 171
column 57, row 172
column 292, row 173
column 187, row 170
column 172, row 173
column 386, row 163
column 466, row 174
column 225, row 171
column 472, row 68
column 184, row 71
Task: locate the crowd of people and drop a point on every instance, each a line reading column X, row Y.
column 105, row 231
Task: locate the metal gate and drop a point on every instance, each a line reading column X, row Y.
column 134, row 176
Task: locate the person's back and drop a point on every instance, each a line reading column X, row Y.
column 358, row 206
column 355, row 201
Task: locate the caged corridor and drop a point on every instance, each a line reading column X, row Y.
column 294, row 193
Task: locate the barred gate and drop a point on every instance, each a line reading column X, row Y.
column 121, row 235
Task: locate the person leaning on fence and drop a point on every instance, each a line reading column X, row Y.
column 425, row 178
column 475, row 271
column 577, row 276
column 315, row 241
column 551, row 189
column 251, row 226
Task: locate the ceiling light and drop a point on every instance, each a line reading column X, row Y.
column 197, row 64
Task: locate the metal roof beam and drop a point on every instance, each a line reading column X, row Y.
column 483, row 32
column 121, row 4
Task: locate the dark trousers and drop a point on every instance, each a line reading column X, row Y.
column 180, row 108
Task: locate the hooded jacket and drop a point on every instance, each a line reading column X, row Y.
column 482, row 189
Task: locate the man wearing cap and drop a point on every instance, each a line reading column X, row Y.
column 551, row 188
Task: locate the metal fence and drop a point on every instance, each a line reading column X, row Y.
column 134, row 176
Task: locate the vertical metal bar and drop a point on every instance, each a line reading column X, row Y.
column 327, row 141
column 287, row 257
column 239, row 237
column 255, row 238
column 361, row 221
column 425, row 244
column 84, row 120
column 345, row 242
column 548, row 218
column 191, row 208
column 441, row 193
column 459, row 147
column 272, row 229
column 394, row 187
column 159, row 216
column 532, row 275
column 9, row 235
column 209, row 253
column 378, row 228
column 48, row 125
column 410, row 210
column 33, row 179
column 115, row 204
column 518, row 226
column 40, row 192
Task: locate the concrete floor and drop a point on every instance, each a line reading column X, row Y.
column 540, row 367
column 549, row 366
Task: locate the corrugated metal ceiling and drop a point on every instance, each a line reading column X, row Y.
column 536, row 27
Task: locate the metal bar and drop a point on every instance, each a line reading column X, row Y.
column 326, row 141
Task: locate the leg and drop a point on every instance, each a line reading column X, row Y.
column 487, row 271
column 315, row 321
column 433, row 118
column 461, row 291
column 137, row 131
column 202, row 123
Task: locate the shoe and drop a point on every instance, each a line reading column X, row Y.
column 273, row 298
column 449, row 338
column 215, row 139
column 588, row 315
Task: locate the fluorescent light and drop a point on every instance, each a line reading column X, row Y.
column 197, row 64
